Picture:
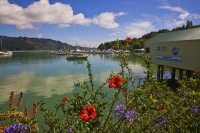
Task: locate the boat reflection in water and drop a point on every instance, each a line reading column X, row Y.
column 77, row 60
column 5, row 55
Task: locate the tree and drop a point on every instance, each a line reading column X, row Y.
column 101, row 46
column 189, row 24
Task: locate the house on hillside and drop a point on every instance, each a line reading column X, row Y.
column 179, row 50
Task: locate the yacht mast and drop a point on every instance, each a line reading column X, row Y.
column 1, row 44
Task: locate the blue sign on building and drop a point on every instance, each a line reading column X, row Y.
column 175, row 51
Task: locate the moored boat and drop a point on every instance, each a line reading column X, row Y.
column 77, row 56
column 4, row 52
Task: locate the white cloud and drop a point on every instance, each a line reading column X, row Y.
column 174, row 20
column 107, row 19
column 13, row 14
column 183, row 13
column 195, row 16
column 151, row 17
column 135, row 29
column 174, row 23
column 58, row 13
column 39, row 36
column 63, row 25
column 139, row 28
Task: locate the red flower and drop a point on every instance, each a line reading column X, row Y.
column 161, row 107
column 145, row 82
column 26, row 112
column 115, row 82
column 196, row 70
column 87, row 113
column 127, row 39
column 11, row 99
column 63, row 100
column 20, row 99
column 34, row 110
column 150, row 94
column 125, row 93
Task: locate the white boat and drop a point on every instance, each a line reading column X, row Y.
column 127, row 51
column 138, row 50
column 77, row 56
column 109, row 51
column 4, row 52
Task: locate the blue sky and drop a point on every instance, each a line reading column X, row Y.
column 91, row 22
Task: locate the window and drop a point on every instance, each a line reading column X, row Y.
column 147, row 50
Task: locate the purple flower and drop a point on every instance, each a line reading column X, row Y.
column 159, row 120
column 25, row 127
column 129, row 115
column 183, row 95
column 17, row 128
column 69, row 129
column 120, row 111
column 195, row 109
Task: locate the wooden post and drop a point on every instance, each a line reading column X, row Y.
column 180, row 74
column 188, row 73
column 158, row 72
column 162, row 71
column 173, row 73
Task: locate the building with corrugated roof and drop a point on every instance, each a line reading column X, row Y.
column 179, row 50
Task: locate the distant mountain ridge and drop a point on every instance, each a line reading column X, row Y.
column 26, row 43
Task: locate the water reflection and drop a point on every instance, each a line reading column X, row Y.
column 26, row 57
column 40, row 86
column 18, row 83
column 5, row 56
column 44, row 86
column 43, row 75
column 77, row 61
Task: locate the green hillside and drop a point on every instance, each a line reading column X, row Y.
column 25, row 43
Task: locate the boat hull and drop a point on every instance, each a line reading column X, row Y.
column 5, row 53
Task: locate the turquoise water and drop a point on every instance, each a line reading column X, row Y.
column 47, row 77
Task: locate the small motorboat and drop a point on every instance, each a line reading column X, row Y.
column 77, row 56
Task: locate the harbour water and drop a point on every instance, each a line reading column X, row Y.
column 47, row 77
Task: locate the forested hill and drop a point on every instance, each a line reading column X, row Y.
column 26, row 43
column 137, row 43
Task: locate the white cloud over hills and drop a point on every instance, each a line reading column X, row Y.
column 43, row 12
column 179, row 18
column 139, row 28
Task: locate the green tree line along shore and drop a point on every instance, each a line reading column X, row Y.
column 26, row 43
